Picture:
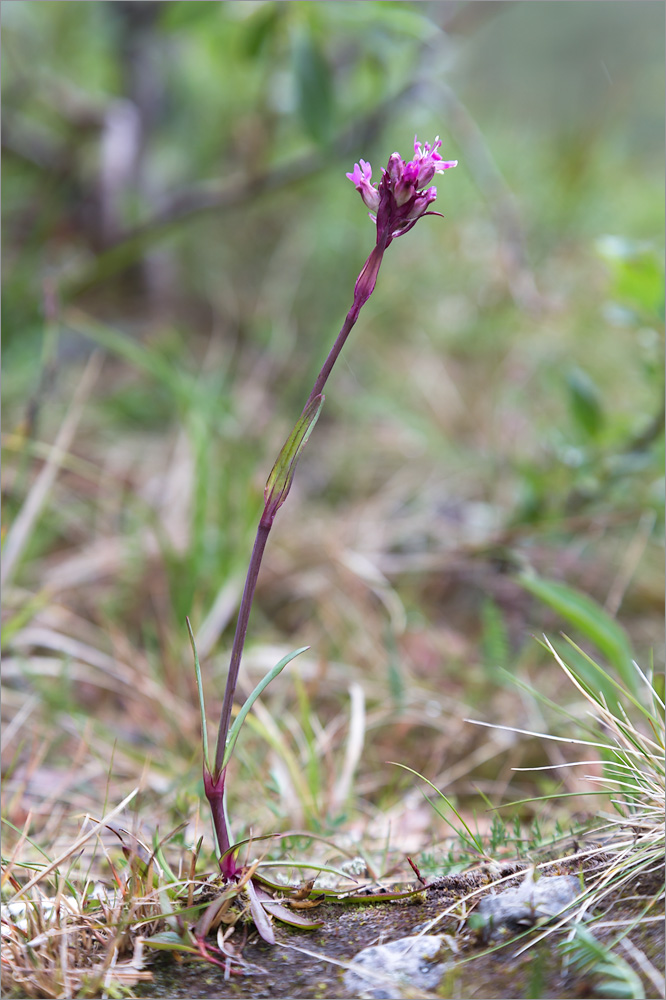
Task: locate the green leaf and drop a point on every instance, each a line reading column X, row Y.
column 638, row 275
column 494, row 637
column 314, row 87
column 240, row 718
column 260, row 30
column 282, row 474
column 175, row 16
column 590, row 619
column 24, row 615
column 169, row 941
column 287, row 916
column 585, row 402
column 202, row 707
column 474, row 840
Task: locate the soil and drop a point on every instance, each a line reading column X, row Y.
column 290, row 968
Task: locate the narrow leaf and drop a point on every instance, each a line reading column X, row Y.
column 261, row 921
column 287, row 916
column 197, row 670
column 314, row 86
column 494, row 637
column 282, row 474
column 474, row 839
column 240, row 718
column 169, row 941
column 261, row 29
column 590, row 618
column 585, row 401
column 207, row 918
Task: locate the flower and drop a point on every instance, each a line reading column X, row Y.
column 401, row 197
column 361, row 178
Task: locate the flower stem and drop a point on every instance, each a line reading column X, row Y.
column 214, row 786
column 363, row 290
column 239, row 640
column 332, row 357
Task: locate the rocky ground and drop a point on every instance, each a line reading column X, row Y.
column 473, row 961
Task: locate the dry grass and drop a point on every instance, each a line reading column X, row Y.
column 628, row 844
column 64, row 930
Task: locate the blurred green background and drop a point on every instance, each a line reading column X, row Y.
column 175, row 196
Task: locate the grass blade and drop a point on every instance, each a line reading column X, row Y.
column 473, row 837
column 197, row 670
column 590, row 618
column 240, row 718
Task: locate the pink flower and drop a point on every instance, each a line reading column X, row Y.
column 361, row 178
column 401, row 197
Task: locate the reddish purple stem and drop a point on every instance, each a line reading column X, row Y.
column 365, row 285
column 214, row 789
column 239, row 639
column 214, row 783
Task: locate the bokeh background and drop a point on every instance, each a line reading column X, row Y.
column 180, row 249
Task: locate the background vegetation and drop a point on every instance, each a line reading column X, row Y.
column 181, row 246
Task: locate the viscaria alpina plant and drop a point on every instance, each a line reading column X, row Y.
column 397, row 202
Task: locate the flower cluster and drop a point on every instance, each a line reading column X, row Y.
column 401, row 197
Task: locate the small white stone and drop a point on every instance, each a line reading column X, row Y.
column 384, row 968
column 531, row 902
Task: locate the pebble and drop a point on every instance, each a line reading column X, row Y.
column 532, row 902
column 410, row 963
